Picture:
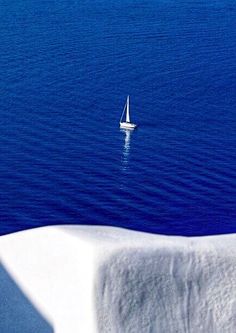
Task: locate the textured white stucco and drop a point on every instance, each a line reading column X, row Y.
column 86, row 279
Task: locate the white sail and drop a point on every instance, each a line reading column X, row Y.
column 127, row 111
column 126, row 124
column 122, row 115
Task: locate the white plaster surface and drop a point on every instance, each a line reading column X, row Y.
column 87, row 279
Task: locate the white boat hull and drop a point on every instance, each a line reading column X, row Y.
column 127, row 125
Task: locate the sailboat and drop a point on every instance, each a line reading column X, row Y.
column 127, row 124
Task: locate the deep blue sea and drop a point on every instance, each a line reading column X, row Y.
column 66, row 69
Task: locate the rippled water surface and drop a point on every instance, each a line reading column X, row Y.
column 66, row 69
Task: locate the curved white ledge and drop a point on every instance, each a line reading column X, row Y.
column 101, row 279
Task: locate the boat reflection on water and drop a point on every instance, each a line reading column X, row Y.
column 126, row 149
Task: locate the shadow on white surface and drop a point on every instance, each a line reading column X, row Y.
column 17, row 313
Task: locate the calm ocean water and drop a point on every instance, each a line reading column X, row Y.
column 66, row 69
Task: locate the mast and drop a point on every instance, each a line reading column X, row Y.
column 127, row 110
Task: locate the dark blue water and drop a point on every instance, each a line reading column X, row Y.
column 66, row 69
